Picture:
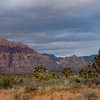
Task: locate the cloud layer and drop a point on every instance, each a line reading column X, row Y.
column 61, row 27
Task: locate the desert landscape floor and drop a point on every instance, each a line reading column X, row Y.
column 74, row 94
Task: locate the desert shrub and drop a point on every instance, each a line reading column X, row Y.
column 97, row 82
column 8, row 81
column 73, row 85
column 20, row 96
column 67, row 72
column 45, row 83
column 30, row 88
column 90, row 94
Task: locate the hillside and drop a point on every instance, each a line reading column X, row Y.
column 19, row 58
column 74, row 62
column 89, row 58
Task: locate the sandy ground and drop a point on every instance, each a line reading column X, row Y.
column 74, row 94
column 57, row 95
column 54, row 96
column 6, row 96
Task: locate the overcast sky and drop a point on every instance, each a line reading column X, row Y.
column 60, row 27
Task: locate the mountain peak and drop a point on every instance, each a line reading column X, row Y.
column 17, row 57
column 5, row 42
column 73, row 56
column 52, row 57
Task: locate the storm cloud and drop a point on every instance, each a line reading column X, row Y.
column 60, row 27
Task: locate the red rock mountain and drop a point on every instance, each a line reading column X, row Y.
column 74, row 62
column 19, row 58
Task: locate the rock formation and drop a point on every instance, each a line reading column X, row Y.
column 19, row 58
column 74, row 62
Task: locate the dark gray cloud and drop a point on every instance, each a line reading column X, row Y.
column 61, row 27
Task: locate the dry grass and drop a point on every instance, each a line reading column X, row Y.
column 73, row 88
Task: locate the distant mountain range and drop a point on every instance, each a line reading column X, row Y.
column 54, row 58
column 89, row 58
column 20, row 58
column 74, row 62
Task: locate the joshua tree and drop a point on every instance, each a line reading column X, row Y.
column 96, row 64
column 42, row 73
column 67, row 71
column 39, row 70
column 88, row 72
column 92, row 70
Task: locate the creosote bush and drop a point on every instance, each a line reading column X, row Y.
column 8, row 81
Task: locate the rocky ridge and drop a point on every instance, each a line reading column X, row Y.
column 74, row 62
column 20, row 58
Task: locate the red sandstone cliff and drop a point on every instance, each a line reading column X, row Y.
column 19, row 58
